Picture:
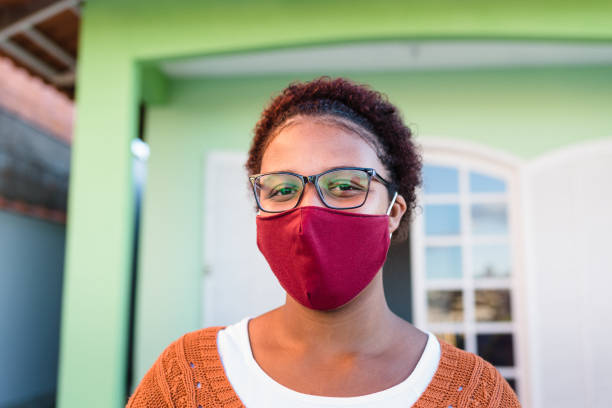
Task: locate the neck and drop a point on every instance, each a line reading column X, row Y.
column 353, row 328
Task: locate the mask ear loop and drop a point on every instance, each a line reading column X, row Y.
column 389, row 209
column 392, row 202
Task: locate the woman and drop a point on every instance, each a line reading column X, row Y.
column 333, row 171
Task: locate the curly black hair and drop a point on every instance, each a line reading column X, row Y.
column 359, row 105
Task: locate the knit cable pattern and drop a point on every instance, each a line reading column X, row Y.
column 189, row 373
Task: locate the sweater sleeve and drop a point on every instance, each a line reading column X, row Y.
column 153, row 390
column 493, row 390
column 508, row 398
column 466, row 380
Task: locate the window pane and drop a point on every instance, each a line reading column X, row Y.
column 457, row 340
column 442, row 219
column 481, row 183
column 489, row 219
column 444, row 306
column 512, row 383
column 497, row 349
column 491, row 261
column 443, row 262
column 440, row 180
column 493, row 305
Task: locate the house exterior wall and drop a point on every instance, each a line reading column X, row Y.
column 497, row 109
column 117, row 37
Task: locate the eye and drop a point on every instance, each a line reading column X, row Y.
column 344, row 187
column 282, row 192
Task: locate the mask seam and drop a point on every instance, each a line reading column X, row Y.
column 301, row 219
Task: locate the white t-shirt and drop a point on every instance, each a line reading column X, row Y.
column 258, row 390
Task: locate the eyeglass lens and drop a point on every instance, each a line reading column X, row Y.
column 342, row 188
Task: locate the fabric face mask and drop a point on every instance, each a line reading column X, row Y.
column 323, row 257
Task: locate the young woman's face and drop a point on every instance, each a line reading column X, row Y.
column 309, row 146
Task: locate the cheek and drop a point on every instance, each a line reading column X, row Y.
column 377, row 202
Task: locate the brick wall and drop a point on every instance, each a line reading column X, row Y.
column 35, row 136
column 31, row 99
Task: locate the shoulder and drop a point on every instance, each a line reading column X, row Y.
column 201, row 337
column 464, row 379
column 171, row 378
column 195, row 349
column 187, row 350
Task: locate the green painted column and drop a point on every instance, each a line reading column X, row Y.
column 93, row 338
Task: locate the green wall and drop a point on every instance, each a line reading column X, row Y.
column 118, row 36
column 523, row 111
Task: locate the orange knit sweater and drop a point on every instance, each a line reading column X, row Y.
column 189, row 373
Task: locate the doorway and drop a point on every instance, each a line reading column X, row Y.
column 397, row 280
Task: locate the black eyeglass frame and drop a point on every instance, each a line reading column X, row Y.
column 314, row 179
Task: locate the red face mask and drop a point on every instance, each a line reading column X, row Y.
column 323, row 257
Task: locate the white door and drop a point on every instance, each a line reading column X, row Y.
column 569, row 227
column 237, row 279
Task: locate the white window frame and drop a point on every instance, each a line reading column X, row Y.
column 466, row 156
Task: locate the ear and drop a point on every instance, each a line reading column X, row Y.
column 397, row 211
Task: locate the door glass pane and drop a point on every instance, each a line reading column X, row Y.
column 445, row 305
column 493, row 305
column 491, row 261
column 456, row 339
column 512, row 383
column 489, row 219
column 481, row 183
column 440, row 179
column 497, row 349
column 442, row 219
column 443, row 262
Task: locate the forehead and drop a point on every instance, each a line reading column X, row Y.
column 310, row 145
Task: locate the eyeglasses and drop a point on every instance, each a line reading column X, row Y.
column 341, row 188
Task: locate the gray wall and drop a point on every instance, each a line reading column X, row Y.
column 34, row 168
column 31, row 272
